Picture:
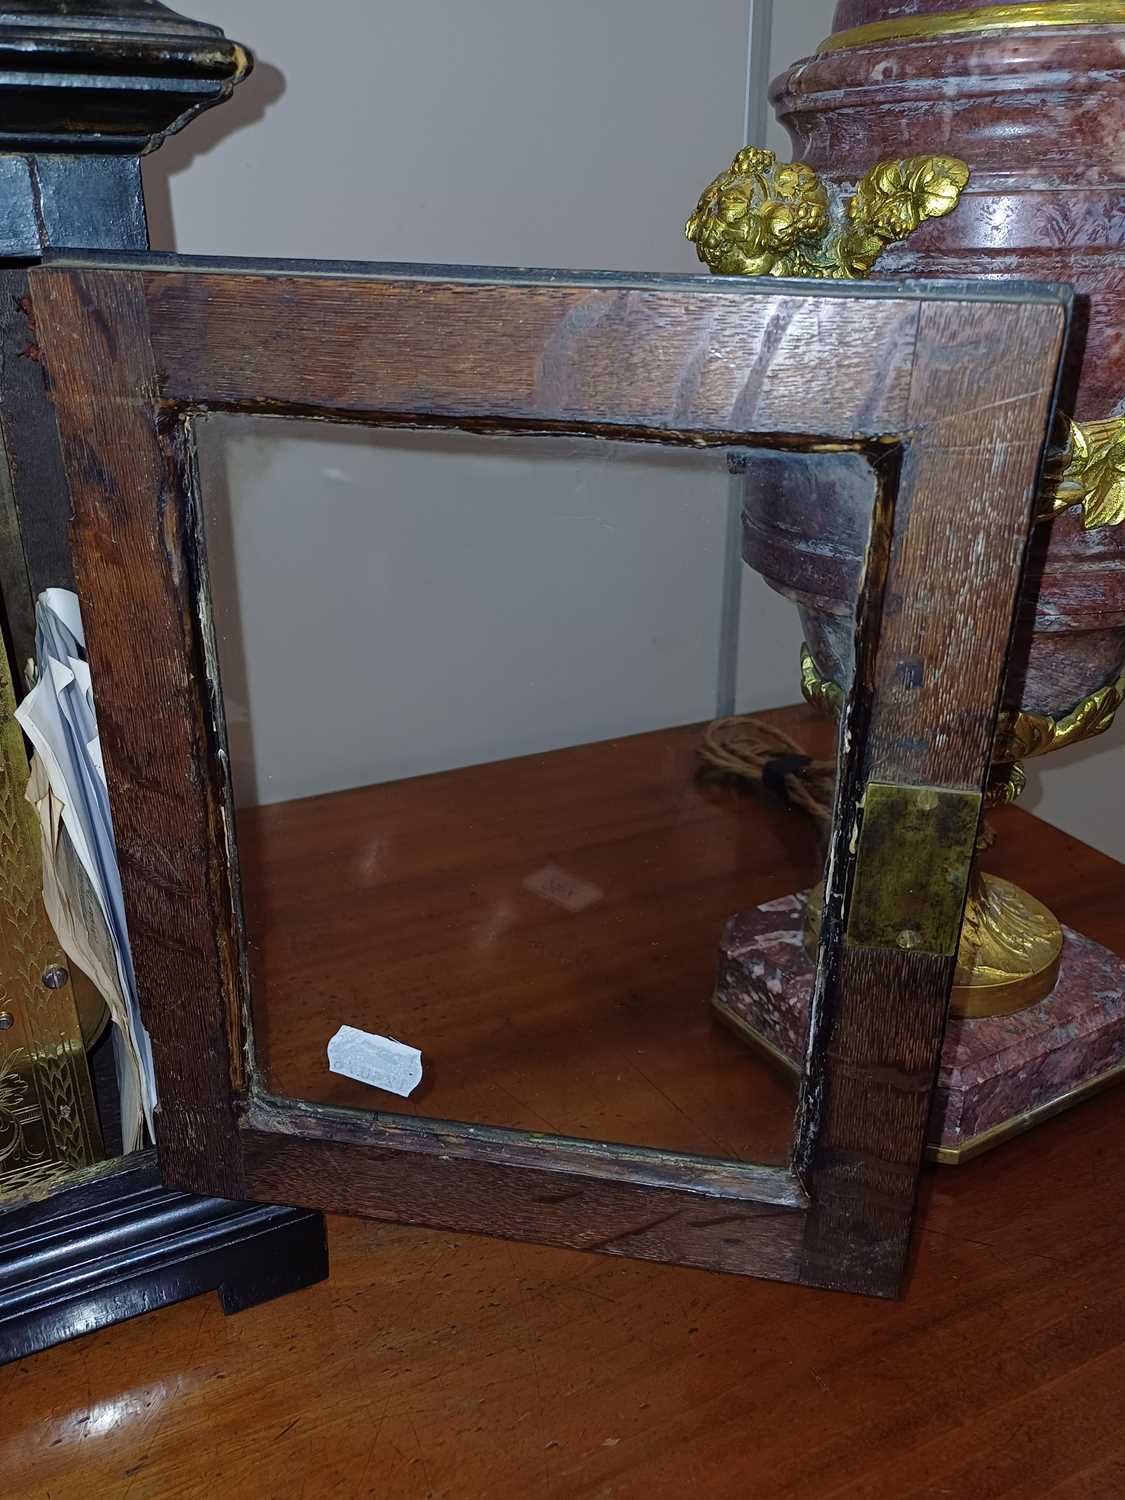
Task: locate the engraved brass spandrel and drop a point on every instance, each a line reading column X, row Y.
column 762, row 217
column 48, row 1122
column 913, row 860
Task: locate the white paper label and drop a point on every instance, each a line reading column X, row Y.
column 377, row 1060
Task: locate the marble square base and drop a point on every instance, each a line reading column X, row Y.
column 998, row 1076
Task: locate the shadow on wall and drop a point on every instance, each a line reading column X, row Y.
column 246, row 106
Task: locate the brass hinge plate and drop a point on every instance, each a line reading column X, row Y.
column 913, row 859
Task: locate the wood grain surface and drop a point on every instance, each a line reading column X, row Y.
column 133, row 558
column 952, row 584
column 434, row 1366
column 743, row 1236
column 935, row 615
column 965, row 379
column 717, row 359
column 34, row 506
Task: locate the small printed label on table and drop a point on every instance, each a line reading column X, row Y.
column 376, row 1060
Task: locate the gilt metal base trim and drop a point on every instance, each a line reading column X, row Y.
column 1008, row 955
column 976, row 1145
column 1009, row 952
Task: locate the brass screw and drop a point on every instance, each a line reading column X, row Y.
column 908, row 938
column 55, row 977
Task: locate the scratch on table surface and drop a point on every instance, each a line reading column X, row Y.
column 521, row 1293
column 421, row 1456
column 529, row 1110
column 965, row 1239
column 362, row 1476
column 720, row 1148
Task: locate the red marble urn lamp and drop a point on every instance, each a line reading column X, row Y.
column 935, row 139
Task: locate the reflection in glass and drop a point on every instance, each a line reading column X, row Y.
column 465, row 683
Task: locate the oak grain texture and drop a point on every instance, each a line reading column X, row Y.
column 516, row 1201
column 453, row 1366
column 708, row 362
column 132, row 555
column 979, row 403
column 936, row 611
column 738, row 1181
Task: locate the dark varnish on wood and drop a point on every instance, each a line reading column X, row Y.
column 516, row 1201
column 978, row 406
column 132, row 548
column 931, row 655
column 34, row 508
column 710, row 362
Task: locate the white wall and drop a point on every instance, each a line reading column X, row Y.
column 508, row 132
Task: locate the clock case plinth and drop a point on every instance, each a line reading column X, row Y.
column 86, row 89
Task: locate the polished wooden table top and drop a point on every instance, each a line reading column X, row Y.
column 448, row 1366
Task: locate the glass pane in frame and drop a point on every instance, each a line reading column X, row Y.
column 467, row 683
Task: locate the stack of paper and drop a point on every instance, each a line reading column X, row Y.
column 81, row 884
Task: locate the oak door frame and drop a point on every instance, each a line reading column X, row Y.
column 947, row 388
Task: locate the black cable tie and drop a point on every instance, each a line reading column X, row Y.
column 778, row 768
